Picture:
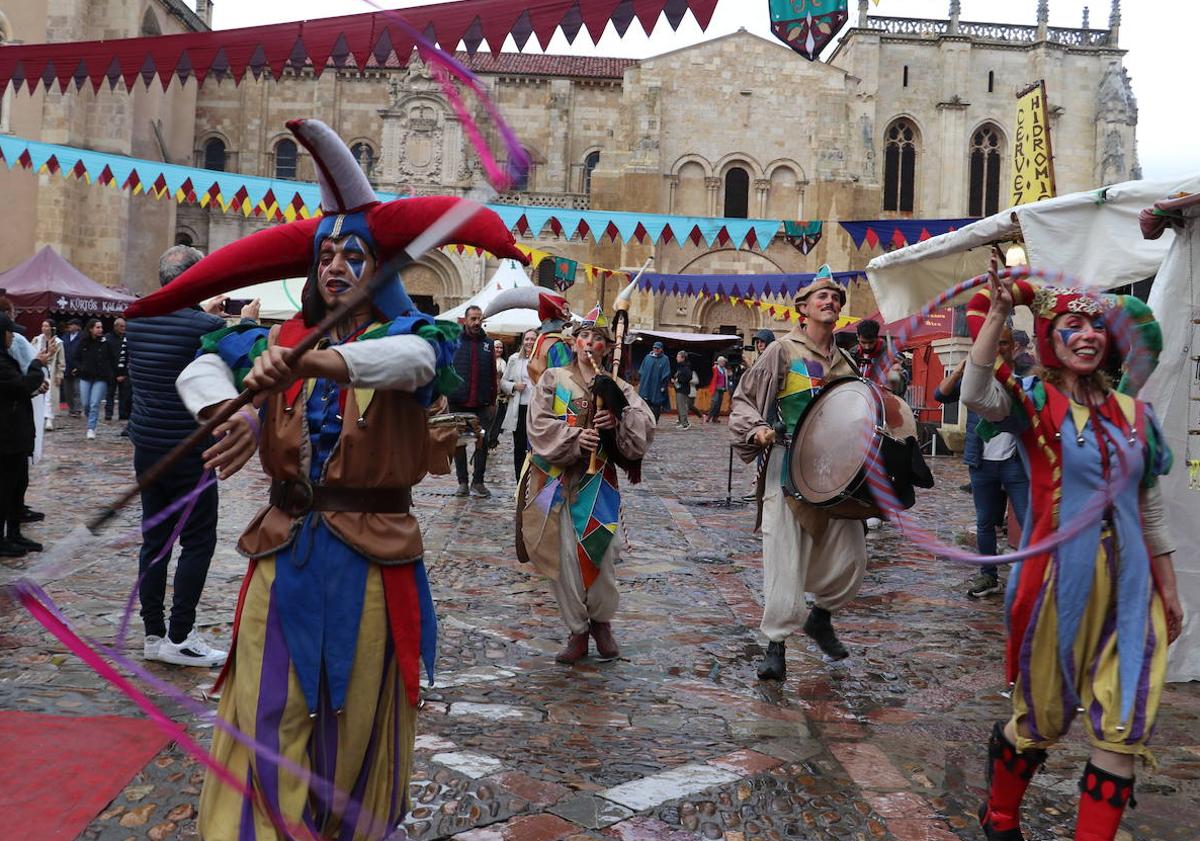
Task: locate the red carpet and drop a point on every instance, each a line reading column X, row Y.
column 57, row 773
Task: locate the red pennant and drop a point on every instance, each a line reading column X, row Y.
column 924, row 235
column 872, row 238
column 898, row 239
column 596, row 16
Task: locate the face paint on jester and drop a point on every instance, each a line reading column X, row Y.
column 1080, row 341
column 343, row 264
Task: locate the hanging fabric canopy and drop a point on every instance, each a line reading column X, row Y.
column 325, row 42
column 48, row 283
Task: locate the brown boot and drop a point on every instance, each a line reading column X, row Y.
column 575, row 649
column 606, row 646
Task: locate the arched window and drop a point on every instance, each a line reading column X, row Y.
column 589, row 164
column 899, row 166
column 183, row 238
column 985, row 171
column 285, row 159
column 365, row 155
column 737, row 193
column 991, row 81
column 214, row 154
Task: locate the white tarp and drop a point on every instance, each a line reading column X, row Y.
column 1172, row 389
column 1092, row 236
column 509, row 275
column 280, row 298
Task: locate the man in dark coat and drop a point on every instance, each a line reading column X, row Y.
column 17, row 435
column 160, row 347
column 72, row 339
column 475, row 363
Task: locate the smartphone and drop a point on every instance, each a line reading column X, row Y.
column 234, row 306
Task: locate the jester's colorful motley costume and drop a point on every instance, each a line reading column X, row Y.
column 803, row 549
column 1087, row 631
column 570, row 518
column 334, row 616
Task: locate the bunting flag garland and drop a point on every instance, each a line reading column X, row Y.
column 779, row 312
column 284, row 200
column 753, row 286
column 569, row 268
column 328, row 42
column 804, row 236
column 564, row 273
column 898, row 233
column 807, row 26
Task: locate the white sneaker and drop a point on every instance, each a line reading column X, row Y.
column 150, row 647
column 873, row 523
column 49, row 425
column 91, row 433
column 193, row 651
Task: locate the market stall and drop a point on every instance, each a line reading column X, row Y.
column 46, row 285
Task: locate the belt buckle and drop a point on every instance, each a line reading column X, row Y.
column 298, row 497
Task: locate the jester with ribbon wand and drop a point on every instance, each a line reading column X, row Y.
column 335, row 616
column 1090, row 618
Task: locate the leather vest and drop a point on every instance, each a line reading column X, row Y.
column 386, row 446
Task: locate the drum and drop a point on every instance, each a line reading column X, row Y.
column 849, row 423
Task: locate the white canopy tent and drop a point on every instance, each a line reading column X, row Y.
column 1095, row 236
column 1174, row 390
column 1092, row 236
column 280, row 298
column 509, row 275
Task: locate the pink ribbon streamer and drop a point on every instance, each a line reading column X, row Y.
column 881, row 486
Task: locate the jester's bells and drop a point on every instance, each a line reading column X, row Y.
column 807, row 26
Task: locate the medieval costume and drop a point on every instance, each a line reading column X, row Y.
column 552, row 349
column 803, row 548
column 1087, row 621
column 569, row 510
column 335, row 616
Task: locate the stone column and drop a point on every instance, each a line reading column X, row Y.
column 713, row 185
column 672, row 187
column 863, row 13
column 762, row 188
column 1114, row 24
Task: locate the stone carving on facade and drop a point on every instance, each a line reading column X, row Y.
column 1115, row 102
column 1112, row 161
column 867, row 135
column 422, row 143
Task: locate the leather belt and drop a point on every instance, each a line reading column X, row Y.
column 298, row 497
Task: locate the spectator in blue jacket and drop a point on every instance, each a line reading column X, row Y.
column 160, row 347
column 997, row 476
column 475, row 362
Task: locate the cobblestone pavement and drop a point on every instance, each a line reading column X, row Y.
column 677, row 739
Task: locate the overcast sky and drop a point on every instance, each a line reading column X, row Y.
column 1160, row 36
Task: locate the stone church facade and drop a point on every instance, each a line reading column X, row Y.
column 905, row 118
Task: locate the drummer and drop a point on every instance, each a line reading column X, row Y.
column 803, row 549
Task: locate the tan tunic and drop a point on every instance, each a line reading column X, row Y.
column 554, row 439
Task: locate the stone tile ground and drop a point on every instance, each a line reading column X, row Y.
column 677, row 739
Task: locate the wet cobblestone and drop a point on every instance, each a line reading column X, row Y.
column 885, row 745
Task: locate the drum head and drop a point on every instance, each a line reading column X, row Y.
column 833, row 439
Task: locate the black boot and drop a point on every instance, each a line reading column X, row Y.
column 773, row 666
column 820, row 628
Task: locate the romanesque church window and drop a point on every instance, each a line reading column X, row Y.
column 737, row 193
column 214, row 154
column 985, row 171
column 899, row 166
column 589, row 164
column 285, row 159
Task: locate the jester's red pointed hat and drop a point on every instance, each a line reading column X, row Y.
column 350, row 206
column 1139, row 351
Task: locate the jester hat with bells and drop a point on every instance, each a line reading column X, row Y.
column 350, row 207
column 1136, row 350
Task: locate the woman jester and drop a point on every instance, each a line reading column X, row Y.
column 1089, row 622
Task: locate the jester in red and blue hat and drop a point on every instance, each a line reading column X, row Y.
column 335, row 615
column 1089, row 620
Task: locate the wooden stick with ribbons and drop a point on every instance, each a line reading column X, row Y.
column 441, row 229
